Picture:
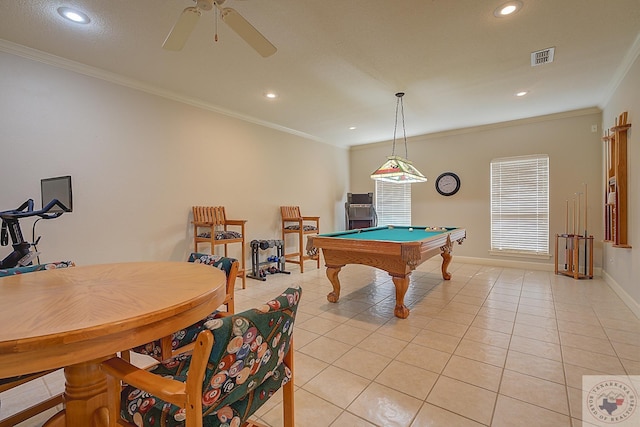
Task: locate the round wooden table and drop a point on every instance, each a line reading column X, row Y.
column 77, row 317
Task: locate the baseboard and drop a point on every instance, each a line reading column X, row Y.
column 624, row 296
column 525, row 265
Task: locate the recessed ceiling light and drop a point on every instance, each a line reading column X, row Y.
column 271, row 95
column 352, row 128
column 73, row 15
column 521, row 93
column 508, row 9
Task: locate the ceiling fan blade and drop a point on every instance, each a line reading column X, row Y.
column 182, row 29
column 248, row 33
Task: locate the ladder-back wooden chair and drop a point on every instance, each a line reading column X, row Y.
column 238, row 363
column 294, row 223
column 183, row 340
column 10, row 383
column 211, row 226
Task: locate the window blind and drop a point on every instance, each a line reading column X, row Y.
column 520, row 204
column 393, row 203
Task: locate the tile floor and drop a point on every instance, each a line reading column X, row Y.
column 492, row 347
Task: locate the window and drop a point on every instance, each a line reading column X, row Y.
column 393, row 203
column 520, row 205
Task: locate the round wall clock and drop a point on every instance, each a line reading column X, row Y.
column 448, row 184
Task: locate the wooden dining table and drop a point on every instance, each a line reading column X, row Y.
column 75, row 318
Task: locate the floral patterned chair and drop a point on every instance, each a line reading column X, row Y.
column 237, row 364
column 184, row 339
column 9, row 383
column 36, row 267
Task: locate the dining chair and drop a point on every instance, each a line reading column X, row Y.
column 237, row 364
column 183, row 340
column 211, row 226
column 12, row 382
column 293, row 222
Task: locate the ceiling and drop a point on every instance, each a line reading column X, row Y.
column 339, row 63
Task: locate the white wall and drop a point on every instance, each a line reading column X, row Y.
column 622, row 266
column 574, row 158
column 139, row 162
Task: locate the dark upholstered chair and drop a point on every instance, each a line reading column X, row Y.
column 183, row 340
column 294, row 223
column 211, row 226
column 9, row 383
column 237, row 364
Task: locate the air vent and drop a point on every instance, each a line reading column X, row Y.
column 543, row 56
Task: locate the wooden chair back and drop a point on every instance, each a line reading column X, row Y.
column 209, row 215
column 290, row 213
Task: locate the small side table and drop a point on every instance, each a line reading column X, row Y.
column 572, row 254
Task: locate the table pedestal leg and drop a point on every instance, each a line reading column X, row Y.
column 85, row 397
column 402, row 284
column 332, row 275
column 446, row 260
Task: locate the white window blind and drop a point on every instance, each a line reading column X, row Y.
column 393, row 203
column 520, row 205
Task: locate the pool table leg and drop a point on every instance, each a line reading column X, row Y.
column 402, row 284
column 332, row 275
column 446, row 260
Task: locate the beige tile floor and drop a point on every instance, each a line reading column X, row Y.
column 493, row 347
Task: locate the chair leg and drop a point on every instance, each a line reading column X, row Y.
column 300, row 241
column 288, row 406
column 113, row 398
column 242, row 264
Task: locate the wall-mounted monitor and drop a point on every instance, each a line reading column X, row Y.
column 57, row 188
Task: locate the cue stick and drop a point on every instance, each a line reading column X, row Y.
column 578, row 196
column 575, row 212
column 585, row 229
column 576, row 227
column 566, row 233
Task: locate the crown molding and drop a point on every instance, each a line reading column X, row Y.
column 77, row 67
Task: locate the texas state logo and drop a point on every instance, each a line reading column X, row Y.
column 610, row 400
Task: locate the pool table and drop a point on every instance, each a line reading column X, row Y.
column 397, row 250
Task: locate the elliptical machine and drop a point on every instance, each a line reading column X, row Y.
column 22, row 254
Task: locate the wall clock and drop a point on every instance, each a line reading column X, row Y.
column 448, row 184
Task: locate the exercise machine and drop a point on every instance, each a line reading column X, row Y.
column 22, row 254
column 360, row 211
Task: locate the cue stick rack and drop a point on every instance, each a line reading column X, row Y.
column 615, row 197
column 578, row 248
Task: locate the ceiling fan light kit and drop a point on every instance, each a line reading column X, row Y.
column 187, row 21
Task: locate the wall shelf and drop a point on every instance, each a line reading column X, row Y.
column 615, row 197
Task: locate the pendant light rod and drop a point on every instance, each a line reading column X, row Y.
column 399, row 104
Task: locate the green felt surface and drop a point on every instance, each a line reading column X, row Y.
column 395, row 234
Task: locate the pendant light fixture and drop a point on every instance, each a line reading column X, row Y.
column 398, row 169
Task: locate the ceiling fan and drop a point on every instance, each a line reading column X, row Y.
column 189, row 18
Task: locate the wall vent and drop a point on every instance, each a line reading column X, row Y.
column 543, row 56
